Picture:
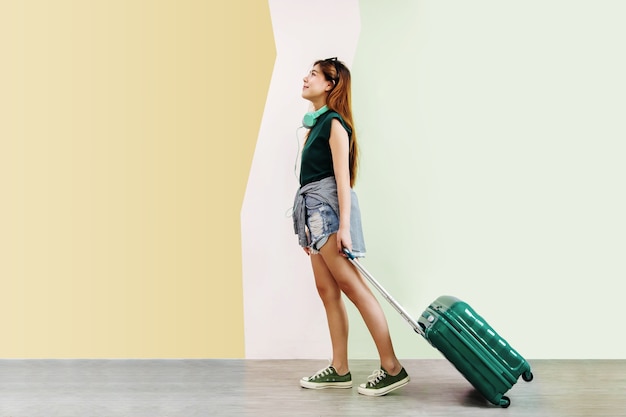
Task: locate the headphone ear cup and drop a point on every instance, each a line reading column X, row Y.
column 310, row 118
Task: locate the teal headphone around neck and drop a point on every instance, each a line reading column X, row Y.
column 310, row 118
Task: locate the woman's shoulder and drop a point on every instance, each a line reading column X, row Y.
column 332, row 115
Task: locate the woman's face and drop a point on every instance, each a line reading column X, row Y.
column 315, row 84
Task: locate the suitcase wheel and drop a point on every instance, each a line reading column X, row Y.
column 505, row 401
column 527, row 376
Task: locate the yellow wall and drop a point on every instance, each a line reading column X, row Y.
column 127, row 128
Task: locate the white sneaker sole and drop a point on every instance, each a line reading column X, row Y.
column 304, row 383
column 382, row 391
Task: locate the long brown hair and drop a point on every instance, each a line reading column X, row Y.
column 340, row 100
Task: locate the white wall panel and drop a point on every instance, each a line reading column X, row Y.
column 284, row 317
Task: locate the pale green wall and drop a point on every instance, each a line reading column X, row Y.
column 492, row 165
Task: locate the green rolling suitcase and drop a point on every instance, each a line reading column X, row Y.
column 454, row 328
column 484, row 358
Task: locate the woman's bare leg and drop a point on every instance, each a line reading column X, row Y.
column 350, row 281
column 336, row 314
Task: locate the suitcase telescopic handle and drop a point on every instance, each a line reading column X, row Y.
column 414, row 324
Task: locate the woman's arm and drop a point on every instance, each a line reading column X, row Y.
column 340, row 149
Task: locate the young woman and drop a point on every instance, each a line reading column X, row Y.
column 327, row 219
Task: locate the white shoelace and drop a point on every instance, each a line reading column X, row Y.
column 376, row 377
column 321, row 373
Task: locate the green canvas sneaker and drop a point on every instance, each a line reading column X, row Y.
column 327, row 378
column 381, row 383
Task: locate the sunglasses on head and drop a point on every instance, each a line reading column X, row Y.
column 334, row 61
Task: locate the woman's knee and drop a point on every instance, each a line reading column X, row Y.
column 328, row 292
column 354, row 287
column 350, row 289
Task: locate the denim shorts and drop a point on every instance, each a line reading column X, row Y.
column 322, row 221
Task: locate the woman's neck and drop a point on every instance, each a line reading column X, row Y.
column 318, row 104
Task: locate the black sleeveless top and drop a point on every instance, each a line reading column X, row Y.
column 317, row 160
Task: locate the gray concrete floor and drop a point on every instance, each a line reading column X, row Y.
column 189, row 388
